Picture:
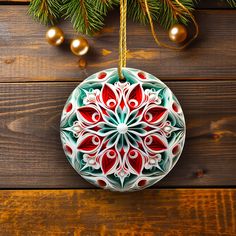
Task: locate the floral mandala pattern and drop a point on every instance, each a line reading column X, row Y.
column 122, row 136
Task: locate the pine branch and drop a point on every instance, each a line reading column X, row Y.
column 232, row 3
column 87, row 16
column 45, row 11
column 166, row 12
column 137, row 11
column 103, row 6
column 171, row 13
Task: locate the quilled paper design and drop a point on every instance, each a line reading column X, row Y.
column 122, row 136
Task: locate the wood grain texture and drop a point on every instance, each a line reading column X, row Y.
column 30, row 150
column 25, row 55
column 95, row 212
column 212, row 4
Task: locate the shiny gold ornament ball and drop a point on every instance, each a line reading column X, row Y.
column 79, row 46
column 55, row 36
column 178, row 33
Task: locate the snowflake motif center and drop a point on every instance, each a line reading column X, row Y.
column 122, row 128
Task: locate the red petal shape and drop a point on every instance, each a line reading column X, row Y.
column 142, row 182
column 101, row 183
column 140, row 111
column 69, row 107
column 176, row 149
column 104, row 111
column 96, row 128
column 122, row 103
column 141, row 75
column 90, row 114
column 68, row 149
column 175, row 107
column 135, row 160
column 108, row 96
column 155, row 114
column 89, row 143
column 108, row 160
column 135, row 95
column 102, row 75
column 104, row 145
column 148, row 128
column 154, row 143
column 122, row 152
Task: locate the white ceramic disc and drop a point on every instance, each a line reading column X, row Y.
column 122, row 136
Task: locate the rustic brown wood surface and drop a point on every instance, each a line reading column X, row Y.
column 36, row 79
column 26, row 56
column 95, row 212
column 30, row 150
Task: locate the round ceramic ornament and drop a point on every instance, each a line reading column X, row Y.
column 122, row 136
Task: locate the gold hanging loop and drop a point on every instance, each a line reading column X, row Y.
column 122, row 43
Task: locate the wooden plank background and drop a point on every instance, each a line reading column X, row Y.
column 30, row 120
column 212, row 56
column 31, row 111
column 93, row 213
column 35, row 81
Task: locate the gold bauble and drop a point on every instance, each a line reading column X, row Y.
column 55, row 36
column 79, row 46
column 178, row 33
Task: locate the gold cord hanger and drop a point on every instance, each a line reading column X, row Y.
column 122, row 43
